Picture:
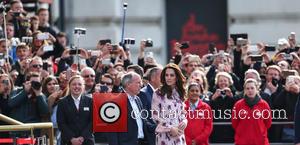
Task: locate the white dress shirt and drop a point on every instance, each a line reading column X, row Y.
column 77, row 101
column 137, row 115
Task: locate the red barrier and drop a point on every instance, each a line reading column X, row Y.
column 19, row 140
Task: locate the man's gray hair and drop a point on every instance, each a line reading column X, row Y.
column 127, row 78
column 87, row 69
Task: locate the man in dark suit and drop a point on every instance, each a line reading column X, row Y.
column 146, row 93
column 74, row 115
column 138, row 125
column 297, row 123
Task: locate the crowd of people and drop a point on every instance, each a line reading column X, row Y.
column 43, row 80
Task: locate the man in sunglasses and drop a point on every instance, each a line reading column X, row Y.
column 88, row 75
column 36, row 65
column 106, row 84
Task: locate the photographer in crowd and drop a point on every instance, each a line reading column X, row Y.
column 44, row 56
column 272, row 86
column 29, row 105
column 222, row 99
column 17, row 15
column 286, row 100
column 6, row 88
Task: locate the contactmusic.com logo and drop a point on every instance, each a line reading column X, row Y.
column 110, row 112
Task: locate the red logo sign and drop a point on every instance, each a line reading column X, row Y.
column 109, row 112
column 198, row 36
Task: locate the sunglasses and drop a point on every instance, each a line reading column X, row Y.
column 91, row 76
column 37, row 66
column 105, row 83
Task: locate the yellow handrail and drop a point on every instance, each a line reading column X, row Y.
column 9, row 120
column 25, row 127
column 19, row 126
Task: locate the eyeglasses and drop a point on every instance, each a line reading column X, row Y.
column 193, row 65
column 91, row 76
column 37, row 65
column 105, row 83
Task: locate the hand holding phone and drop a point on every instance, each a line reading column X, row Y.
column 185, row 45
column 56, row 88
column 287, row 73
column 106, row 61
column 74, row 51
column 42, row 36
column 270, row 48
column 27, row 40
column 236, row 36
column 256, row 58
column 47, row 48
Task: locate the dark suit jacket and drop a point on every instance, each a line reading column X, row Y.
column 130, row 137
column 73, row 123
column 145, row 95
column 297, row 122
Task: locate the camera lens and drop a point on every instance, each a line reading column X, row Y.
column 149, row 43
column 36, row 85
column 275, row 82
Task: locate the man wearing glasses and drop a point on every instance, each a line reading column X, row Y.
column 36, row 65
column 88, row 75
column 106, row 84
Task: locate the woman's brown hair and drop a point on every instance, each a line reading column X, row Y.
column 180, row 80
column 10, row 80
column 45, row 83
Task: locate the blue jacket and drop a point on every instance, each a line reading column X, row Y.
column 145, row 95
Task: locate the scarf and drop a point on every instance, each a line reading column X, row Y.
column 252, row 102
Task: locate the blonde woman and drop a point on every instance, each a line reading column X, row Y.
column 222, row 101
column 74, row 115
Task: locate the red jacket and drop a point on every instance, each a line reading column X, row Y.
column 251, row 125
column 199, row 126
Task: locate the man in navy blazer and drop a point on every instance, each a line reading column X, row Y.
column 146, row 93
column 137, row 133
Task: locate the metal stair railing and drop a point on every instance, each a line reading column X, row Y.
column 19, row 126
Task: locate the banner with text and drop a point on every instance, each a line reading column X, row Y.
column 200, row 22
